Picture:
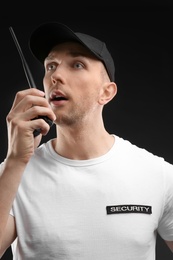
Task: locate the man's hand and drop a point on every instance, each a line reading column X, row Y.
column 28, row 104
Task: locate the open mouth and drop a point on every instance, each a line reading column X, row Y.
column 57, row 98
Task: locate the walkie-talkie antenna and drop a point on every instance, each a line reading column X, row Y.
column 29, row 78
column 24, row 63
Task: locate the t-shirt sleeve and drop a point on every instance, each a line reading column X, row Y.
column 165, row 227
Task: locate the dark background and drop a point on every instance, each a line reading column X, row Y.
column 139, row 36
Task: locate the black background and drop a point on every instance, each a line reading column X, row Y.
column 139, row 36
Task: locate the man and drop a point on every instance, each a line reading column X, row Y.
column 85, row 194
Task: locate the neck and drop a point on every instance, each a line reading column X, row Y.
column 82, row 144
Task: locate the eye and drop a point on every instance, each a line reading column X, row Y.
column 78, row 65
column 50, row 66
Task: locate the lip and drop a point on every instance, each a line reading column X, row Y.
column 57, row 103
column 57, row 98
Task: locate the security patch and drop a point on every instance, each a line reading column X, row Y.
column 129, row 208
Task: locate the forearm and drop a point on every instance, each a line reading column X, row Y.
column 10, row 178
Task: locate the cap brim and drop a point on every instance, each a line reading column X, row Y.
column 46, row 36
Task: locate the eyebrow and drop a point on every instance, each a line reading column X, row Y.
column 72, row 54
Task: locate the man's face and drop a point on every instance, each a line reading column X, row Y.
column 73, row 82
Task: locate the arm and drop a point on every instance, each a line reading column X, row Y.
column 21, row 146
column 10, row 235
column 9, row 182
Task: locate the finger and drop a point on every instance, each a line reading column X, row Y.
column 30, row 101
column 41, row 126
column 36, row 112
column 21, row 94
column 26, row 128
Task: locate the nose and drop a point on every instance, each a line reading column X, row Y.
column 57, row 75
column 53, row 79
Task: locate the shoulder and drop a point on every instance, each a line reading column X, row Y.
column 141, row 157
column 129, row 148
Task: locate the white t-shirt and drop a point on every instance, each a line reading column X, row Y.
column 107, row 208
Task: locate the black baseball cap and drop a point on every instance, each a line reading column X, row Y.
column 47, row 35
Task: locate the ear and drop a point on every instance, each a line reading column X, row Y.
column 109, row 91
